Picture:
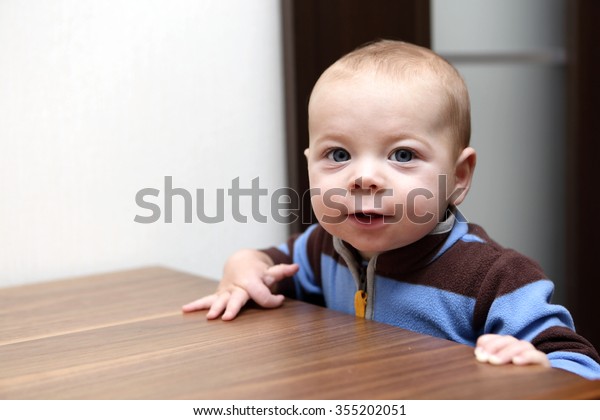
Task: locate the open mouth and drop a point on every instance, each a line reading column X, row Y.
column 367, row 217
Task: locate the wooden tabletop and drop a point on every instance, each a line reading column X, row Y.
column 122, row 336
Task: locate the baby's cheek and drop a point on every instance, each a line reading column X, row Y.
column 422, row 206
column 329, row 207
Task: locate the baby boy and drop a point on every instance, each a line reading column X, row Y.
column 388, row 161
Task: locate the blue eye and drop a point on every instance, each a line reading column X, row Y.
column 339, row 155
column 402, row 155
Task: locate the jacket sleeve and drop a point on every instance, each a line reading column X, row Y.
column 523, row 309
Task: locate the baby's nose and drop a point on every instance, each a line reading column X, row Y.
column 366, row 176
column 366, row 184
column 367, row 181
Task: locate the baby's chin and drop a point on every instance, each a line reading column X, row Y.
column 368, row 247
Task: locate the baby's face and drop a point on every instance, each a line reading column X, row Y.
column 377, row 156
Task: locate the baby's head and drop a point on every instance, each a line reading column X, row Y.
column 388, row 123
column 415, row 67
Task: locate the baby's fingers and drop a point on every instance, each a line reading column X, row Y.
column 219, row 305
column 200, row 304
column 260, row 291
column 500, row 350
column 237, row 300
column 279, row 272
column 531, row 357
column 263, row 296
column 495, row 349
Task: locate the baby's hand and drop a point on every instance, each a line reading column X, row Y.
column 247, row 275
column 503, row 349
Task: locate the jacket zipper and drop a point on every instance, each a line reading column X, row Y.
column 361, row 297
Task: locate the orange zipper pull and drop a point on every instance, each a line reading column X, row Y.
column 360, row 303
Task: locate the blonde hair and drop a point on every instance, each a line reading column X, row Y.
column 409, row 62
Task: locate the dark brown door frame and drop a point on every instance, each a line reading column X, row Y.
column 583, row 178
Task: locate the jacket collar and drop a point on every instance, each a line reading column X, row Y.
column 400, row 260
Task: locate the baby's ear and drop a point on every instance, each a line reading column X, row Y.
column 463, row 174
column 306, row 152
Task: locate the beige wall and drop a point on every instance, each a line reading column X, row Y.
column 99, row 99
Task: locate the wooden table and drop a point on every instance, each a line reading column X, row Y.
column 122, row 336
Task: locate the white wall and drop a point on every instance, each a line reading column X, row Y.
column 509, row 52
column 99, row 99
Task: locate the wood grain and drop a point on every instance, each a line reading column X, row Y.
column 122, row 336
